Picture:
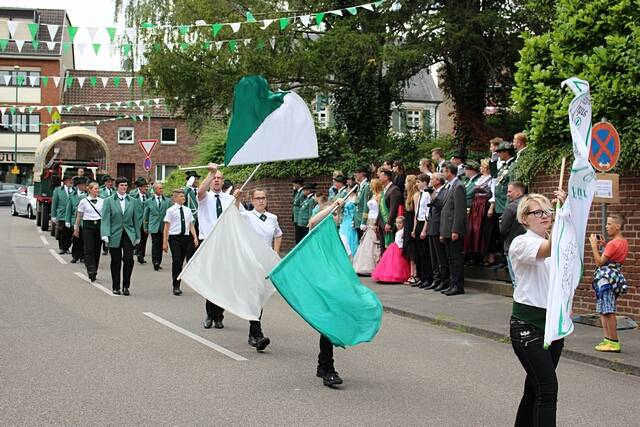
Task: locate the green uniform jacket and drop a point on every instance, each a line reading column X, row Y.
column 154, row 215
column 469, row 186
column 135, row 195
column 298, row 198
column 515, row 172
column 341, row 194
column 306, row 211
column 103, row 192
column 59, row 203
column 191, row 196
column 502, row 184
column 362, row 209
column 72, row 207
column 114, row 221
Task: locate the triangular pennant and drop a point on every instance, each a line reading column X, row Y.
column 215, row 29
column 141, row 117
column 2, row 110
column 97, row 122
column 72, row 32
column 33, row 80
column 33, row 29
column 206, row 45
column 184, row 46
column 44, row 81
column 126, row 49
column 105, row 81
column 218, row 45
column 260, row 44
column 3, row 44
column 35, row 44
column 128, row 80
column 184, row 29
column 81, row 81
column 51, row 45
column 283, row 23
column 56, row 80
column 66, row 47
column 352, row 10
column 59, row 108
column 368, row 6
column 116, row 81
column 19, row 44
column 137, row 102
column 92, row 32
column 112, row 33
column 305, row 19
column 140, row 80
column 147, row 25
column 21, row 109
column 86, row 107
column 141, row 108
column 233, row 45
column 246, row 42
column 235, row 26
column 68, row 107
column 80, row 47
column 133, row 118
column 12, row 110
column 169, row 46
column 319, row 18
column 118, row 103
column 336, row 12
column 378, row 3
column 20, row 80
column 7, row 79
column 98, row 106
column 12, row 25
column 93, row 81
column 130, row 104
column 156, row 101
column 266, row 23
column 53, row 30
column 96, row 47
column 131, row 33
column 272, row 42
column 49, row 109
column 250, row 17
column 32, row 109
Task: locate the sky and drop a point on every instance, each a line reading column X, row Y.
column 82, row 13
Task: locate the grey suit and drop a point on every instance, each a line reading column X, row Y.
column 454, row 220
column 510, row 228
column 439, row 262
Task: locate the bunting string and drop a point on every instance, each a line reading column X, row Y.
column 140, row 104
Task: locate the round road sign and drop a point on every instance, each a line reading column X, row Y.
column 605, row 147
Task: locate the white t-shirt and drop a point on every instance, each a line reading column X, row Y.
column 532, row 274
column 207, row 216
column 88, row 213
column 173, row 218
column 268, row 229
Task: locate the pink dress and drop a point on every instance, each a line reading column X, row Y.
column 393, row 267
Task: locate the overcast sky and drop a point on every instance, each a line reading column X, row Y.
column 82, row 13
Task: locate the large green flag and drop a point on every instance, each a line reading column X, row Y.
column 317, row 280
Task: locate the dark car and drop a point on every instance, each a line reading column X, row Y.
column 6, row 192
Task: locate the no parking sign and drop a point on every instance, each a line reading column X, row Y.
column 605, row 146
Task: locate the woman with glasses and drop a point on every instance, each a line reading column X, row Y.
column 529, row 254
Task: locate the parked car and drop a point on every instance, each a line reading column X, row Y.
column 23, row 202
column 6, row 192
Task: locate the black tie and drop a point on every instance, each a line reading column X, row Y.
column 218, row 206
column 158, row 200
column 94, row 201
column 182, row 224
column 263, row 217
column 419, row 204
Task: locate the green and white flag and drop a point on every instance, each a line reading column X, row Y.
column 570, row 227
column 268, row 126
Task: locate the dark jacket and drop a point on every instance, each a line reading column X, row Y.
column 454, row 212
column 393, row 199
column 510, row 228
column 435, row 211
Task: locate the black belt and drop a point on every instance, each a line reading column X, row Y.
column 86, row 222
column 178, row 235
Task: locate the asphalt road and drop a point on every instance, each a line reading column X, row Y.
column 72, row 354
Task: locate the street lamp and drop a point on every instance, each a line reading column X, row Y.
column 16, row 68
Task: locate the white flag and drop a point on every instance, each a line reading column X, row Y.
column 231, row 266
column 569, row 229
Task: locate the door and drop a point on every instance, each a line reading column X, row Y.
column 128, row 170
column 20, row 200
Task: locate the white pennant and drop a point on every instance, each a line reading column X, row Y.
column 105, row 80
column 141, row 116
column 158, row 106
column 98, row 106
column 131, row 33
column 305, row 19
column 81, row 81
column 2, row 110
column 86, row 107
column 169, row 46
column 21, row 109
column 246, row 42
column 273, row 42
column 51, row 45
column 107, row 106
column 53, row 30
column 19, row 44
column 141, row 108
column 156, row 100
column 12, row 25
column 128, row 80
column 56, row 80
column 92, row 32
column 337, row 12
column 266, row 23
column 80, row 47
column 235, row 26
column 32, row 80
column 218, row 45
column 7, row 79
column 368, row 6
column 97, row 122
column 118, row 103
column 59, row 108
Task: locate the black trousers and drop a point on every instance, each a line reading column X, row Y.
column 216, row 313
column 424, row 268
column 539, row 400
column 156, row 247
column 64, row 235
column 92, row 245
column 438, row 260
column 77, row 251
column 455, row 256
column 122, row 256
column 359, row 233
column 325, row 357
column 300, row 233
column 181, row 248
column 141, row 247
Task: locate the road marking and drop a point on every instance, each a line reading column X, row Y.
column 44, row 240
column 195, row 337
column 58, row 257
column 95, row 284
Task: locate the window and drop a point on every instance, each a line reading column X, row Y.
column 19, row 78
column 164, row 171
column 168, row 136
column 414, row 120
column 321, row 117
column 20, row 123
column 125, row 135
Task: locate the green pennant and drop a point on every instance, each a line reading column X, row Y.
column 233, row 45
column 68, row 107
column 206, row 45
column 20, row 79
column 260, row 44
column 352, row 10
column 250, row 17
column 12, row 110
column 69, row 81
column 44, row 80
column 184, row 46
column 32, row 109
column 147, row 25
column 215, row 29
column 116, row 81
column 130, row 104
column 3, row 44
column 319, row 18
column 72, row 32
column 140, row 80
column 377, row 4
column 96, row 47
column 66, row 47
column 49, row 109
column 157, row 47
column 112, row 33
column 126, row 49
column 35, row 44
column 33, row 29
column 184, row 29
column 93, row 81
column 283, row 23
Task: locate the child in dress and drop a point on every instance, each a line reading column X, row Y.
column 393, row 267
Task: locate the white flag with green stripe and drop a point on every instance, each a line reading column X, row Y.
column 268, row 126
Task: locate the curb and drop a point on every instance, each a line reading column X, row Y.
column 496, row 336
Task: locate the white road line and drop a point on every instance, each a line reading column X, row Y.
column 58, row 257
column 44, row 240
column 95, row 284
column 195, row 337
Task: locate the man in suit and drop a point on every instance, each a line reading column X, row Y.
column 191, row 195
column 364, row 194
column 120, row 229
column 510, row 227
column 392, row 199
column 298, row 198
column 79, row 193
column 107, row 189
column 500, row 200
column 58, row 212
column 439, row 261
column 494, row 163
column 453, row 227
column 140, row 195
column 340, row 184
column 424, row 269
column 306, row 209
column 437, row 155
column 155, row 208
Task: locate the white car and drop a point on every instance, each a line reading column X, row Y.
column 23, row 202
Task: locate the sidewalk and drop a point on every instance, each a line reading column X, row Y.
column 487, row 315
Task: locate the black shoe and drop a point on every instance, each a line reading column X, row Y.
column 177, row 291
column 125, row 292
column 218, row 324
column 105, row 252
column 444, row 291
column 262, row 343
column 116, row 291
column 157, row 267
column 252, row 341
column 425, row 284
column 92, row 277
column 73, row 260
column 331, row 378
column 432, row 286
column 207, row 323
column 82, row 260
column 62, row 252
column 441, row 287
column 141, row 260
column 454, row 291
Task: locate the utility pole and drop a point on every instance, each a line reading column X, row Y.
column 15, row 170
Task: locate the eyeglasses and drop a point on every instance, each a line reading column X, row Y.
column 540, row 213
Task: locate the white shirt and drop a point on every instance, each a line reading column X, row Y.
column 207, row 217
column 399, row 239
column 268, row 229
column 372, row 204
column 123, row 201
column 532, row 274
column 173, row 218
column 423, row 209
column 88, row 213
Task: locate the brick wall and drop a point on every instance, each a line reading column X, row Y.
column 584, row 302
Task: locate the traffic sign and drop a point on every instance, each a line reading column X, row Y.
column 605, row 146
column 147, row 164
column 147, row 145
